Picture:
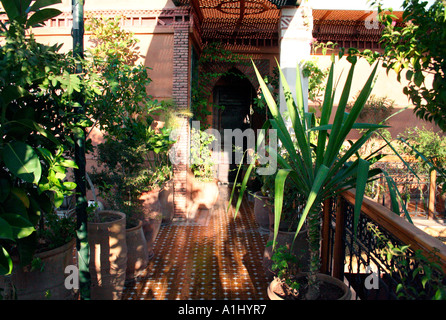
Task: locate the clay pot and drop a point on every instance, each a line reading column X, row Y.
column 262, row 211
column 300, row 249
column 346, row 292
column 165, row 198
column 150, row 203
column 108, row 255
column 150, row 229
column 152, row 218
column 137, row 253
column 48, row 283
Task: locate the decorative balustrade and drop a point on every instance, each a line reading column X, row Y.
column 375, row 261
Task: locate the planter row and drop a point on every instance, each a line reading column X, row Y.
column 117, row 255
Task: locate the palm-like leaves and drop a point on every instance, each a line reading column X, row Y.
column 323, row 169
column 29, row 13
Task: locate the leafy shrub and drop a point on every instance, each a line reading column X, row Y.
column 202, row 162
column 38, row 116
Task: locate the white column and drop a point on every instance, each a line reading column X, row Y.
column 296, row 35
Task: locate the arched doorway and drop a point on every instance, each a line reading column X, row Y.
column 233, row 96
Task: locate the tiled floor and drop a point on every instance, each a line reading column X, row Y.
column 218, row 257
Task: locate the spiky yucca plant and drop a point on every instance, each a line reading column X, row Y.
column 320, row 167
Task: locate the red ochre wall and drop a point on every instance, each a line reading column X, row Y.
column 151, row 22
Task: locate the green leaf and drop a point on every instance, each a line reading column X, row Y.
column 5, row 262
column 12, row 8
column 21, row 194
column 20, row 226
column 11, row 93
column 5, row 230
column 39, row 4
column 244, row 185
column 418, row 78
column 13, row 204
column 5, row 188
column 22, row 161
column 279, row 186
column 41, row 16
column 32, row 125
column 69, row 164
column 69, row 185
column 298, row 123
column 333, row 145
column 58, row 199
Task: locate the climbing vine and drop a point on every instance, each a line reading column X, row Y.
column 213, row 54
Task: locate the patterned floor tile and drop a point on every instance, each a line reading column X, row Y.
column 216, row 258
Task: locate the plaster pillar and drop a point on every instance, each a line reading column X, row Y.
column 296, row 35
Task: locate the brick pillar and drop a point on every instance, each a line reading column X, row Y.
column 181, row 96
column 181, row 59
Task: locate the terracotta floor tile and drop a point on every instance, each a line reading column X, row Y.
column 217, row 258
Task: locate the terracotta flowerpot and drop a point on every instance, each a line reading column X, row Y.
column 262, row 211
column 48, row 283
column 150, row 203
column 108, row 255
column 150, row 229
column 152, row 218
column 344, row 291
column 165, row 198
column 300, row 249
column 137, row 253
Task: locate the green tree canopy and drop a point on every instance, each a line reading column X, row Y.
column 417, row 45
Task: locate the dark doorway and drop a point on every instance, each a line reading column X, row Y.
column 235, row 94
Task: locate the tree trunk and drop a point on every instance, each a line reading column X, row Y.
column 314, row 237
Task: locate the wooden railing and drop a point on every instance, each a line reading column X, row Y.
column 337, row 236
column 400, row 228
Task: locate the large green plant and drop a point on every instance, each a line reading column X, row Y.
column 325, row 168
column 35, row 119
column 133, row 155
column 415, row 49
column 134, row 161
column 116, row 84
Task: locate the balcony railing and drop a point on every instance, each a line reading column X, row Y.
column 375, row 261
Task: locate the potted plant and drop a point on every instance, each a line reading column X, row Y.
column 293, row 204
column 118, row 103
column 134, row 162
column 158, row 145
column 263, row 200
column 117, row 184
column 35, row 148
column 44, row 277
column 317, row 164
column 108, row 251
column 205, row 184
column 289, row 281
